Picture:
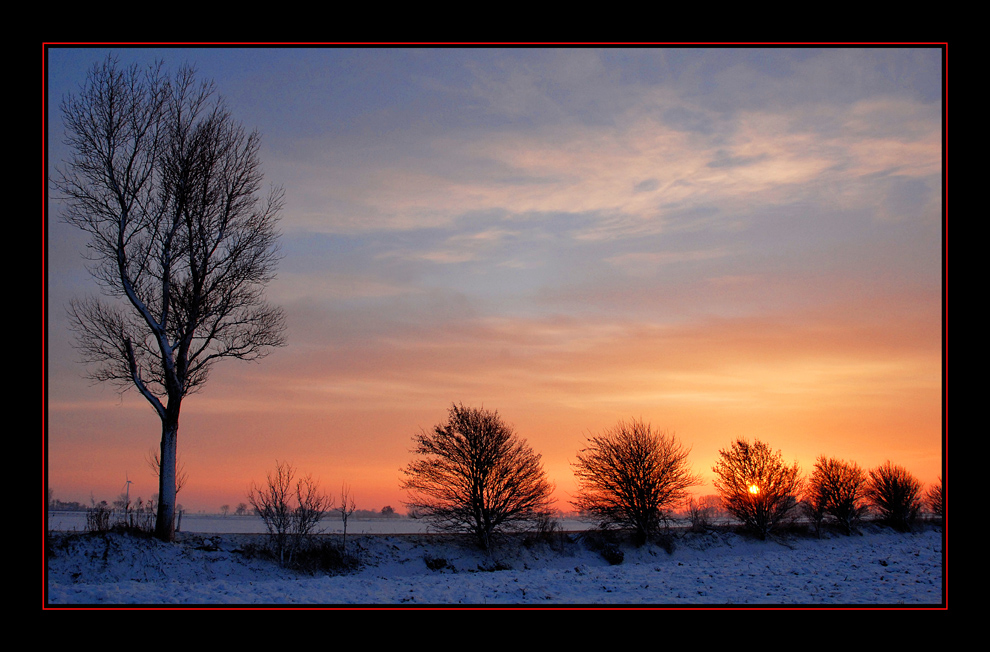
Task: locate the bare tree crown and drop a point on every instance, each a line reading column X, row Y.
column 631, row 476
column 475, row 475
column 756, row 485
column 167, row 185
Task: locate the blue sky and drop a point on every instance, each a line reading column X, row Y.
column 721, row 241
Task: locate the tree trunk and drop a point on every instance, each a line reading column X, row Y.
column 165, row 523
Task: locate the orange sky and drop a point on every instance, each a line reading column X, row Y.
column 723, row 243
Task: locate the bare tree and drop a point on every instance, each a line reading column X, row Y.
column 273, row 504
column 475, row 475
column 167, row 185
column 346, row 508
column 935, row 497
column 756, row 485
column 838, row 489
column 289, row 523
column 895, row 493
column 632, row 476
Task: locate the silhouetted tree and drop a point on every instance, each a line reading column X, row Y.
column 837, row 489
column 935, row 497
column 895, row 494
column 756, row 485
column 346, row 508
column 166, row 184
column 631, row 476
column 289, row 522
column 475, row 475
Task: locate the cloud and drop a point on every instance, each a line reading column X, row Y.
column 648, row 262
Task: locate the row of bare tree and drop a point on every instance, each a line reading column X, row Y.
column 762, row 490
column 475, row 475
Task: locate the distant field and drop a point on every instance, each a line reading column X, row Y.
column 215, row 524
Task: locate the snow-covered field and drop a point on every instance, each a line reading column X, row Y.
column 878, row 568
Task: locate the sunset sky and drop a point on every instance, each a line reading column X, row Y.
column 721, row 242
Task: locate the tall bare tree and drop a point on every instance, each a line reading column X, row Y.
column 182, row 240
column 631, row 476
column 476, row 475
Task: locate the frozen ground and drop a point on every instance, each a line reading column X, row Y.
column 878, row 568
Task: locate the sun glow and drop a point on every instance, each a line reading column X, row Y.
column 753, row 489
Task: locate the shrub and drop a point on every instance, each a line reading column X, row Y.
column 895, row 494
column 435, row 563
column 703, row 512
column 318, row 555
column 631, row 476
column 289, row 526
column 613, row 554
column 98, row 518
column 755, row 484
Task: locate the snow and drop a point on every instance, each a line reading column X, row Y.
column 879, row 567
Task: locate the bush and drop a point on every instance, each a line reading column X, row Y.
column 317, row 555
column 756, row 486
column 703, row 512
column 435, row 563
column 98, row 518
column 613, row 554
column 631, row 476
column 605, row 543
column 895, row 494
column 289, row 526
column 546, row 530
